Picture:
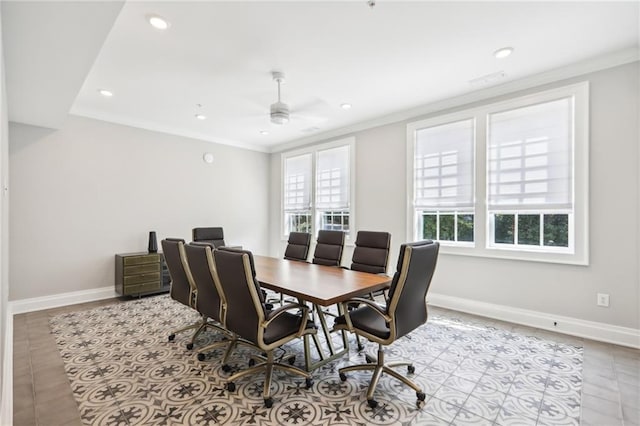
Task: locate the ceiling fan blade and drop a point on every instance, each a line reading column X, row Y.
column 313, row 106
column 311, row 118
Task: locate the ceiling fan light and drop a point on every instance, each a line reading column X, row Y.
column 279, row 118
column 279, row 113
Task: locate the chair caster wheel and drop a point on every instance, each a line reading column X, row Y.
column 231, row 387
column 201, row 357
column 308, row 383
column 372, row 403
column 343, row 377
column 268, row 402
column 189, row 346
column 291, row 360
column 226, row 368
column 252, row 362
column 171, row 337
column 421, row 396
column 411, row 369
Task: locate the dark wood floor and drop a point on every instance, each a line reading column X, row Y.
column 42, row 394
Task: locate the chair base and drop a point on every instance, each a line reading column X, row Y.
column 267, row 364
column 232, row 341
column 379, row 367
column 200, row 326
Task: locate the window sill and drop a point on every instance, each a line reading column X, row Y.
column 525, row 256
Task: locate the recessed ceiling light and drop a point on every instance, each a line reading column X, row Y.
column 158, row 22
column 106, row 93
column 503, row 53
column 201, row 116
column 264, row 132
column 345, row 106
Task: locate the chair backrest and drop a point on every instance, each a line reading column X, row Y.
column 298, row 246
column 407, row 294
column 213, row 236
column 210, row 296
column 371, row 253
column 182, row 286
column 245, row 302
column 329, row 248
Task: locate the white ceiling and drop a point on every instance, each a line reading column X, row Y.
column 393, row 57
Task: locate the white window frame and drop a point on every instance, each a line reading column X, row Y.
column 579, row 220
column 414, row 219
column 315, row 217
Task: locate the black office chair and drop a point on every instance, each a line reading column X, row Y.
column 211, row 300
column 183, row 288
column 329, row 247
column 247, row 317
column 213, row 236
column 297, row 249
column 298, row 246
column 371, row 253
column 406, row 310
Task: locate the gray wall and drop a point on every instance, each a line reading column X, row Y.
column 92, row 189
column 543, row 287
column 4, row 230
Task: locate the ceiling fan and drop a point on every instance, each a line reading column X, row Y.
column 279, row 110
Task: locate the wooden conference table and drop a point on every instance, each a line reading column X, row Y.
column 322, row 286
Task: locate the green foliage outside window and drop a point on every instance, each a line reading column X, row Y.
column 447, row 227
column 465, row 227
column 504, row 228
column 430, row 226
column 529, row 229
column 556, row 230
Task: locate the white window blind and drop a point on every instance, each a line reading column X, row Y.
column 332, row 178
column 297, row 183
column 444, row 163
column 530, row 157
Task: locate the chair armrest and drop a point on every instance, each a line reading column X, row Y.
column 372, row 304
column 288, row 307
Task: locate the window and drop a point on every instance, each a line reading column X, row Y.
column 324, row 201
column 297, row 193
column 504, row 180
column 443, row 167
column 530, row 175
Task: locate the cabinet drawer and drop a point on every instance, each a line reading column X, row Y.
column 142, row 288
column 139, row 260
column 142, row 278
column 141, row 269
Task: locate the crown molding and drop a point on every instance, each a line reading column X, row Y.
column 599, row 63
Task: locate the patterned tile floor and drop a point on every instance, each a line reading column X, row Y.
column 123, row 371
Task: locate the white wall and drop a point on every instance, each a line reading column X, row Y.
column 92, row 189
column 6, row 333
column 568, row 291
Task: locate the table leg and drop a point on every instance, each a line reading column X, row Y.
column 324, row 357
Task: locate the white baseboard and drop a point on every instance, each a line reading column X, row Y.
column 6, row 405
column 624, row 336
column 63, row 299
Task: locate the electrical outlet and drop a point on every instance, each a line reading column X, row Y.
column 603, row 300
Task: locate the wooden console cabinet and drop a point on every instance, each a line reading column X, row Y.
column 140, row 273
